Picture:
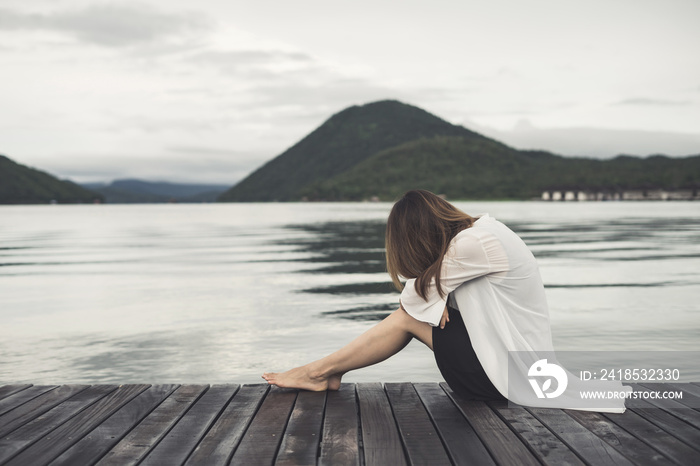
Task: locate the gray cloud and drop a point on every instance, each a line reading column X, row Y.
column 653, row 102
column 206, row 150
column 248, row 57
column 331, row 93
column 595, row 142
column 110, row 24
column 154, row 124
column 257, row 65
column 185, row 164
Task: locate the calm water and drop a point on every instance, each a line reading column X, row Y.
column 220, row 293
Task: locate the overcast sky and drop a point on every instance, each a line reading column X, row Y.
column 206, row 91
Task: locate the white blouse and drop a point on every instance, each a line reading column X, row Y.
column 492, row 278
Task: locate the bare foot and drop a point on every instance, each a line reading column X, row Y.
column 334, row 381
column 300, row 377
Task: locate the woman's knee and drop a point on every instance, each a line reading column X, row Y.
column 402, row 319
column 408, row 323
column 414, row 327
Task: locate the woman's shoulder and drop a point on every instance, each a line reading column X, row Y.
column 468, row 242
column 481, row 228
column 487, row 236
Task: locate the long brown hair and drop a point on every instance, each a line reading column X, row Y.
column 418, row 233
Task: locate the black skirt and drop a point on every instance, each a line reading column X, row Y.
column 458, row 363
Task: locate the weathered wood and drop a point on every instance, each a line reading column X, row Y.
column 357, row 425
column 380, row 435
column 29, row 433
column 655, row 437
column 36, row 407
column 93, row 446
column 183, row 438
column 339, row 443
column 421, row 440
column 547, row 447
column 132, row 448
column 7, row 390
column 624, row 442
column 65, row 435
column 668, row 422
column 460, row 440
column 688, row 388
column 303, row 434
column 505, row 447
column 221, row 440
column 19, row 398
column 261, row 441
column 682, row 409
column 587, row 445
column 691, row 393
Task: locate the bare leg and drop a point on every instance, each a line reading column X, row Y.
column 378, row 343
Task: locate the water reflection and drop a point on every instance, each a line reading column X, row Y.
column 220, row 293
column 342, row 247
column 377, row 312
column 347, row 248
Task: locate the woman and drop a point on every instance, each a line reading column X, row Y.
column 473, row 295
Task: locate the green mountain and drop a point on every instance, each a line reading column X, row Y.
column 383, row 149
column 24, row 185
column 464, row 169
column 130, row 191
column 338, row 145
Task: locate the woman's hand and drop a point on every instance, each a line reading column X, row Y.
column 445, row 318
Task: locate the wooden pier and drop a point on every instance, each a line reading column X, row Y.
column 361, row 424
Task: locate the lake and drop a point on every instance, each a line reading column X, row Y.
column 219, row 293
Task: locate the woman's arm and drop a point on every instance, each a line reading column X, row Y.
column 465, row 260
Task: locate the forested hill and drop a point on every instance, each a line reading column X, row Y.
column 133, row 191
column 463, row 169
column 24, row 185
column 382, row 149
column 338, row 145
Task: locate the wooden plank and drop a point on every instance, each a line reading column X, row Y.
column 96, row 443
column 691, row 394
column 421, row 440
column 679, row 408
column 17, row 399
column 65, row 435
column 624, row 442
column 586, row 444
column 381, row 439
column 261, row 440
column 36, row 407
column 546, row 446
column 132, row 448
column 655, row 437
column 667, row 421
column 7, row 390
column 303, row 434
column 380, row 434
column 677, row 405
column 339, row 443
column 461, row 442
column 688, row 388
column 505, row 447
column 21, row 438
column 218, row 445
column 182, row 439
